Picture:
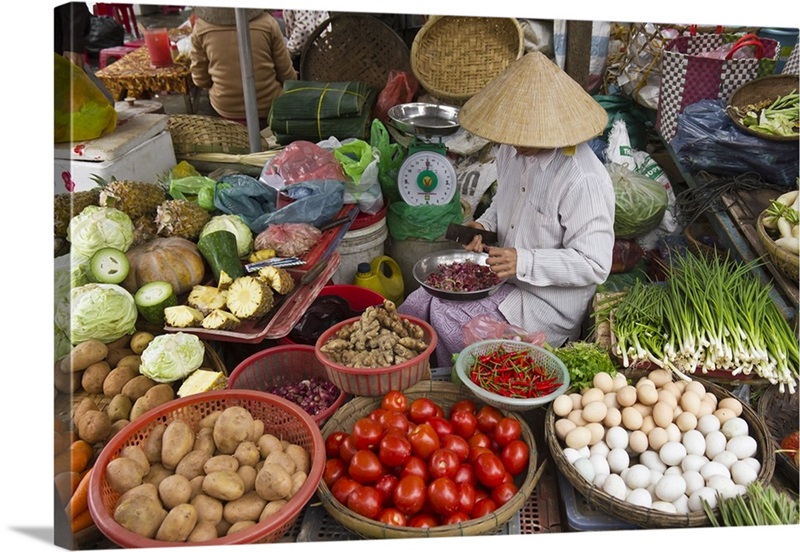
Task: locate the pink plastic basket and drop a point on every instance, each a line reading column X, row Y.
column 373, row 382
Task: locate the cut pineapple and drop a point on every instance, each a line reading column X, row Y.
column 249, row 297
column 183, row 316
column 206, row 298
column 201, row 381
column 262, row 255
column 220, row 319
column 225, row 281
column 278, row 279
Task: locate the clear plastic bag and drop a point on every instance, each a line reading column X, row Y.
column 486, row 326
column 301, row 161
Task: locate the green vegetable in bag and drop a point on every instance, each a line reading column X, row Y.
column 81, row 111
column 355, row 157
column 640, row 203
column 199, row 189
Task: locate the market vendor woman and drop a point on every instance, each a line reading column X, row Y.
column 553, row 210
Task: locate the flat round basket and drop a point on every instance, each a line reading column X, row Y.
column 353, row 47
column 280, row 417
column 779, row 411
column 651, row 517
column 757, row 94
column 445, row 394
column 193, row 134
column 453, row 57
column 787, row 262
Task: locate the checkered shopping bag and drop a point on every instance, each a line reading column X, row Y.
column 689, row 75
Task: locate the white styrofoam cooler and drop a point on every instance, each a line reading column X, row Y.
column 139, row 149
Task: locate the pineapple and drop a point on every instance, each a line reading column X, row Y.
column 278, row 279
column 225, row 281
column 220, row 319
column 144, row 229
column 202, row 380
column 262, row 255
column 249, row 297
column 69, row 204
column 182, row 218
column 183, row 316
column 136, row 199
column 206, row 298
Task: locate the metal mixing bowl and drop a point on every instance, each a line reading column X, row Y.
column 430, row 264
column 425, row 118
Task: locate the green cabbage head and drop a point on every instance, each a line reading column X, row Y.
column 98, row 227
column 171, row 357
column 100, row 311
column 236, row 226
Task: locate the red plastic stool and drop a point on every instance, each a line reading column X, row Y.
column 138, row 43
column 110, row 55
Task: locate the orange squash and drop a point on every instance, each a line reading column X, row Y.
column 174, row 260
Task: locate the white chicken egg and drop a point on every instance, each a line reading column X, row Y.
column 637, row 441
column 743, row 473
column 562, row 405
column 571, row 454
column 693, row 462
column 706, row 493
column 724, row 485
column 639, row 497
column 710, row 469
column 655, row 475
column 753, row 462
column 650, row 459
column 670, row 487
column 600, row 448
column 671, row 453
column 673, row 470
column 600, row 464
column 681, row 504
column 618, row 460
column 726, row 458
column 615, row 486
column 715, row 443
column 603, row 381
column 599, row 479
column 735, row 427
column 693, row 481
column 708, row 423
column 584, row 452
column 637, row 476
column 663, row 506
column 743, row 446
column 694, row 442
column 617, row 438
column 585, row 468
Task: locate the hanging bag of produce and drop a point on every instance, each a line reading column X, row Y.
column 691, row 70
column 640, row 203
column 81, row 110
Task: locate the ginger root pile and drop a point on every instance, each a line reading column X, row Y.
column 379, row 338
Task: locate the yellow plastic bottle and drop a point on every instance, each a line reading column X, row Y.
column 382, row 275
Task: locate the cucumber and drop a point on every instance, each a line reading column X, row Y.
column 109, row 265
column 219, row 250
column 152, row 298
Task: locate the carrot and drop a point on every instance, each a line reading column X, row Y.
column 75, row 458
column 81, row 521
column 79, row 500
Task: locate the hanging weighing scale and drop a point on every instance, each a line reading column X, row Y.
column 426, row 177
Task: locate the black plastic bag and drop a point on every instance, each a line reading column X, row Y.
column 104, row 32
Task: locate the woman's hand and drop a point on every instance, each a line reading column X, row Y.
column 503, row 260
column 476, row 244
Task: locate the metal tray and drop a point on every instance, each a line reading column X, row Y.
column 424, row 118
column 430, row 263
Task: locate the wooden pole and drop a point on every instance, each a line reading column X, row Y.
column 579, row 50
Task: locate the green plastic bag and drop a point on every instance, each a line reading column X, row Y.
column 392, row 157
column 428, row 222
column 355, row 156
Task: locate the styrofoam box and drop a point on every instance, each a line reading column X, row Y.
column 139, row 149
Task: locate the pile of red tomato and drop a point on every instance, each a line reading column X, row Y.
column 409, row 464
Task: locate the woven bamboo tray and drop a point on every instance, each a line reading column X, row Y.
column 202, row 134
column 650, row 517
column 353, row 47
column 444, row 394
column 779, row 411
column 453, row 57
column 785, row 261
column 761, row 92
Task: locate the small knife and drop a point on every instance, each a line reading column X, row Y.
column 464, row 234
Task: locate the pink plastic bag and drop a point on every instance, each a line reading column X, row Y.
column 301, row 161
column 485, row 326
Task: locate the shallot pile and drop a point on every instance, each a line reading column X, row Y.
column 314, row 395
column 462, row 276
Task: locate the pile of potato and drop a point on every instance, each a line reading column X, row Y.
column 185, row 484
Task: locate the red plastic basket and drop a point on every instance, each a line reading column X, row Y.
column 373, row 382
column 279, row 365
column 280, row 416
column 358, row 297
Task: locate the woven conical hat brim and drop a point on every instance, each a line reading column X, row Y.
column 533, row 104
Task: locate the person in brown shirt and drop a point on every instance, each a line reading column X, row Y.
column 215, row 61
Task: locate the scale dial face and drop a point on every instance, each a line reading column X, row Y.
column 427, row 178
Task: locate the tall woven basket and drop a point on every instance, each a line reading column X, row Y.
column 785, row 261
column 453, row 57
column 353, row 47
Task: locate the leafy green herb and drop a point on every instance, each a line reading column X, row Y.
column 759, row 506
column 583, row 360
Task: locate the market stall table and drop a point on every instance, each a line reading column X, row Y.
column 134, row 76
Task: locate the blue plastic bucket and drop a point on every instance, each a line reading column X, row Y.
column 787, row 40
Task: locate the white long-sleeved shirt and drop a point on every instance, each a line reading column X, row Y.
column 557, row 210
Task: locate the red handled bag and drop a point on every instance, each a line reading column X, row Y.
column 689, row 74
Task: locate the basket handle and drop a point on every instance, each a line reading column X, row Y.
column 693, row 29
column 747, row 40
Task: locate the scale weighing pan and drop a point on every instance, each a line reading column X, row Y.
column 424, row 118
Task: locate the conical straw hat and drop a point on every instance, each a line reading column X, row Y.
column 533, row 104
